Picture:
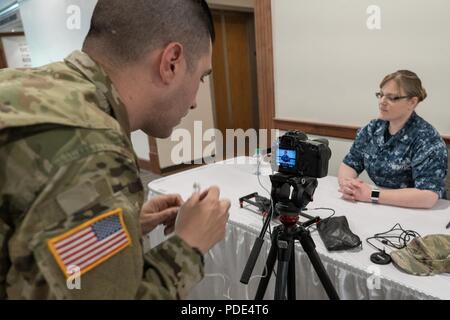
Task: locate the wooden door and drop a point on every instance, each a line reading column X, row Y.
column 234, row 72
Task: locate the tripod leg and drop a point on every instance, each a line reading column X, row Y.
column 310, row 248
column 270, row 263
column 285, row 249
column 291, row 275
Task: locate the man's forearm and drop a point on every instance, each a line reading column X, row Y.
column 172, row 269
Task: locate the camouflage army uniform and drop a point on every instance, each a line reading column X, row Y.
column 65, row 160
column 415, row 157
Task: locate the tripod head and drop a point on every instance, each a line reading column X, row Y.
column 290, row 194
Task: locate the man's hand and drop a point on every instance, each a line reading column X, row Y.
column 355, row 190
column 202, row 219
column 160, row 210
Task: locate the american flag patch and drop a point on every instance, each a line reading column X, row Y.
column 91, row 243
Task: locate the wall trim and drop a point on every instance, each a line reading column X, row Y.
column 317, row 128
column 325, row 129
column 178, row 168
column 144, row 164
column 222, row 7
column 11, row 34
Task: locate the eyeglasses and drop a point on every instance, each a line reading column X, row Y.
column 390, row 98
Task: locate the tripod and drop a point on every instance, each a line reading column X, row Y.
column 282, row 248
column 289, row 195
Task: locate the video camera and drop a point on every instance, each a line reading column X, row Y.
column 299, row 162
column 296, row 155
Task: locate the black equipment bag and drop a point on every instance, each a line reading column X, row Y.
column 336, row 234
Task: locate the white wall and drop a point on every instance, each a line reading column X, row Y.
column 328, row 64
column 54, row 28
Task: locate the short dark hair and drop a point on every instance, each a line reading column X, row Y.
column 124, row 30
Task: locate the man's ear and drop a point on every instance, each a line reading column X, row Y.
column 171, row 61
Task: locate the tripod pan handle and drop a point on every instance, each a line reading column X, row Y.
column 247, row 273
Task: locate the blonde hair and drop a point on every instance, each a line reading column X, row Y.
column 409, row 82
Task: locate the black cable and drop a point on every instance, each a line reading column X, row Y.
column 330, row 209
column 403, row 238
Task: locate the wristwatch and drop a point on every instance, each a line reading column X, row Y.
column 375, row 195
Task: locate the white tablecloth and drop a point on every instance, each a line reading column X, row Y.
column 353, row 274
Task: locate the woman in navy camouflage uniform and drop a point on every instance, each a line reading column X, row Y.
column 401, row 152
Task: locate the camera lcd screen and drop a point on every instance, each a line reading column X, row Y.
column 286, row 158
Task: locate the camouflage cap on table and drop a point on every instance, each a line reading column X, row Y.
column 424, row 256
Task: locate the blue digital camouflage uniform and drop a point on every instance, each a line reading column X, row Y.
column 66, row 162
column 415, row 157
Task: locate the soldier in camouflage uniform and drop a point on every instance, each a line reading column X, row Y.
column 70, row 192
column 400, row 150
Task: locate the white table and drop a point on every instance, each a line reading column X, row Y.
column 353, row 274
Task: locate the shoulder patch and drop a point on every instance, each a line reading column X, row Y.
column 78, row 198
column 91, row 243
